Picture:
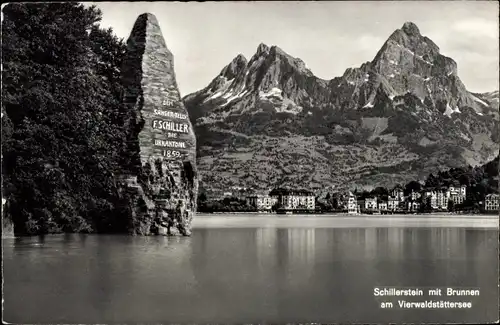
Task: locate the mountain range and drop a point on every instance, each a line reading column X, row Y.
column 269, row 121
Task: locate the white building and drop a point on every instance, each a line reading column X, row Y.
column 382, row 206
column 415, row 195
column 438, row 199
column 294, row 199
column 352, row 204
column 398, row 193
column 457, row 194
column 261, row 202
column 393, row 204
column 371, row 203
column 412, row 206
column 457, row 199
column 491, row 202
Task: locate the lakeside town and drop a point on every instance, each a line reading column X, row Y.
column 465, row 190
column 398, row 200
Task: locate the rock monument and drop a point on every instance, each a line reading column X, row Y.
column 162, row 180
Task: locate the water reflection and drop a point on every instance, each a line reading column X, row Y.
column 266, row 245
column 300, row 247
column 251, row 275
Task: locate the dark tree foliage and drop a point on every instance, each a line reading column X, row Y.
column 380, row 192
column 484, row 177
column 412, row 186
column 480, row 181
column 62, row 99
column 228, row 204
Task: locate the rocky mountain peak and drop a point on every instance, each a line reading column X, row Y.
column 236, row 67
column 409, row 39
column 240, row 59
column 275, row 50
column 411, row 62
column 262, row 49
column 410, row 29
column 270, row 53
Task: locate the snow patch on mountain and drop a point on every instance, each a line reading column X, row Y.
column 286, row 105
column 233, row 97
column 450, row 110
column 216, row 95
column 479, row 101
column 227, row 95
column 422, row 59
column 274, row 92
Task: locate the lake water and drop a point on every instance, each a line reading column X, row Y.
column 255, row 269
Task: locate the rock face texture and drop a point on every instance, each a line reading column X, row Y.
column 269, row 121
column 162, row 180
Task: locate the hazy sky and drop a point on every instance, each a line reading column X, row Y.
column 328, row 36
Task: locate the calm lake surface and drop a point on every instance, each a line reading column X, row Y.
column 256, row 269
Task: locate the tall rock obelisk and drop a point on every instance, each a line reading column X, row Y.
column 162, row 175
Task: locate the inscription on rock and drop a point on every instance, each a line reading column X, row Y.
column 167, row 175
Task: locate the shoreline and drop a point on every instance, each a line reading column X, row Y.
column 347, row 215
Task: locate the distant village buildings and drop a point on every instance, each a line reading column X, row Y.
column 394, row 201
column 284, row 199
column 438, row 199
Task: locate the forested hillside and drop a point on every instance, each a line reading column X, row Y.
column 61, row 119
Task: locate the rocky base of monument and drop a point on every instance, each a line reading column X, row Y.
column 161, row 200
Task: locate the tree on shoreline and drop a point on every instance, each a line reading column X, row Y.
column 62, row 98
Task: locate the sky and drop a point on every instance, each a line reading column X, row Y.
column 329, row 36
